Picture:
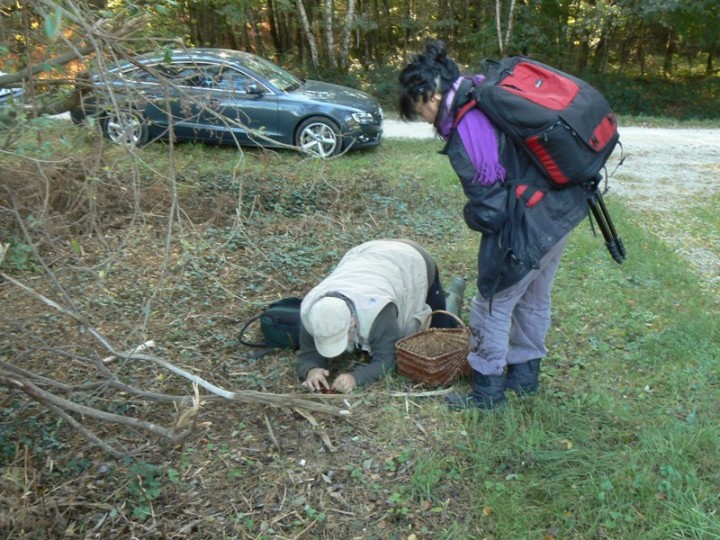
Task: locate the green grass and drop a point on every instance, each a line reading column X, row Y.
column 623, row 439
column 622, row 442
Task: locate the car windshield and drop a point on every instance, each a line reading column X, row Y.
column 284, row 80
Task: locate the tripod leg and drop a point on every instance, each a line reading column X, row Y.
column 599, row 219
column 612, row 244
column 611, row 227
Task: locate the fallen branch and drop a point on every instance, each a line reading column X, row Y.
column 271, row 432
column 140, row 348
column 45, row 398
column 85, row 431
column 426, row 393
column 246, row 396
column 27, row 382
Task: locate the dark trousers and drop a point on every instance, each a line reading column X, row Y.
column 436, row 300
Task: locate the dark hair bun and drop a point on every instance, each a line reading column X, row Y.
column 427, row 72
column 436, row 51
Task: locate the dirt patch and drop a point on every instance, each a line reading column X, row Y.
column 666, row 174
column 666, row 170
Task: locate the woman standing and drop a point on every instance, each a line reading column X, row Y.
column 524, row 229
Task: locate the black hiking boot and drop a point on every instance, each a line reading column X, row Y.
column 488, row 392
column 524, row 378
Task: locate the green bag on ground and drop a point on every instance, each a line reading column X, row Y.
column 279, row 325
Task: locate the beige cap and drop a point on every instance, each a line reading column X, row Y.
column 329, row 318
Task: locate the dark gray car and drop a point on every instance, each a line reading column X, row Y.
column 228, row 97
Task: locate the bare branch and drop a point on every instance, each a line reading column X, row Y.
column 46, row 397
column 247, row 396
column 85, row 431
column 112, row 35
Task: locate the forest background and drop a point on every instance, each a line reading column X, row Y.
column 127, row 406
column 650, row 57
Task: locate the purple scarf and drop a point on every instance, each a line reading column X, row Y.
column 478, row 136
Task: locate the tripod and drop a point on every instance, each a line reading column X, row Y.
column 600, row 212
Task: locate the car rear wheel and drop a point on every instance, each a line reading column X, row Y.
column 125, row 127
column 319, row 136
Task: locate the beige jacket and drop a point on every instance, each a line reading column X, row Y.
column 373, row 275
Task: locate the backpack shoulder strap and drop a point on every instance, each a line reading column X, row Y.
column 466, row 88
column 462, row 111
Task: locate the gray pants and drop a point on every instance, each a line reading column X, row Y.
column 515, row 331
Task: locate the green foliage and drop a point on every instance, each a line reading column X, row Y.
column 697, row 99
column 679, row 98
column 53, row 22
column 18, row 257
column 8, row 440
column 146, row 485
column 41, row 436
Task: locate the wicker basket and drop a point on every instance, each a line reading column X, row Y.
column 435, row 356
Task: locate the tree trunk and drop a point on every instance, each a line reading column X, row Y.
column 347, row 33
column 389, row 41
column 669, row 53
column 257, row 24
column 601, row 50
column 247, row 42
column 285, row 30
column 711, row 54
column 192, row 23
column 406, row 31
column 329, row 39
column 377, row 33
column 503, row 41
column 308, row 33
column 273, row 24
column 498, row 27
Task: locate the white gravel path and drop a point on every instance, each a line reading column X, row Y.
column 666, row 174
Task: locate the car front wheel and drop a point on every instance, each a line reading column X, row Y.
column 319, row 136
column 125, row 127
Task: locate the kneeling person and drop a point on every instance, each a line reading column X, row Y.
column 380, row 291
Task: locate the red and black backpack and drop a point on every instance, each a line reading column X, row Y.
column 566, row 126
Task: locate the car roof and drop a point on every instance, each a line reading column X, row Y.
column 195, row 54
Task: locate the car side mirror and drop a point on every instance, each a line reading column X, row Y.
column 253, row 88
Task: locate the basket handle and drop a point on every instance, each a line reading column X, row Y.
column 426, row 324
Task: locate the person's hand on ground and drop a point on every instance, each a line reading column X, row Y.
column 344, row 383
column 316, row 379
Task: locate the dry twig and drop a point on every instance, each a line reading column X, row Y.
column 323, row 436
column 26, row 382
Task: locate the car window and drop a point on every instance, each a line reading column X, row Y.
column 233, row 80
column 153, row 73
column 284, row 80
column 215, row 76
column 190, row 74
column 142, row 76
column 178, row 74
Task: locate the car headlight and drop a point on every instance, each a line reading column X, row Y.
column 362, row 117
